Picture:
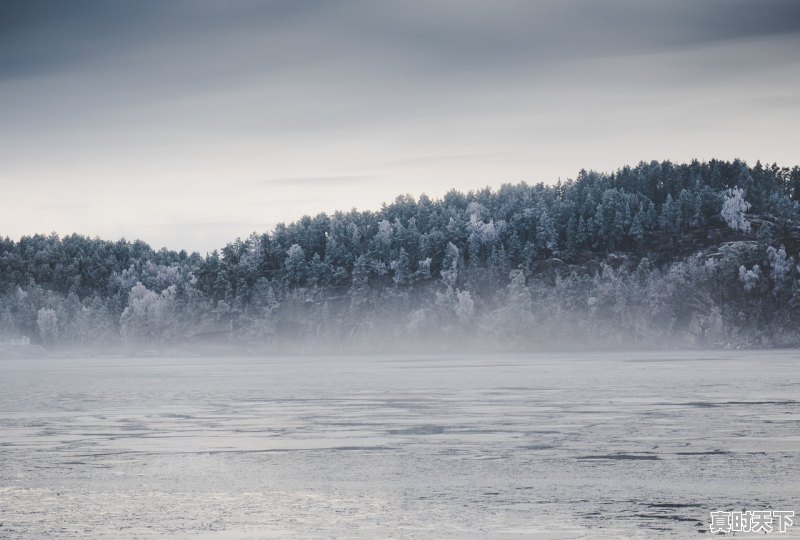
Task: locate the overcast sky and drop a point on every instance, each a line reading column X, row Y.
column 187, row 124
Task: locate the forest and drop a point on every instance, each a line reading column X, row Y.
column 657, row 255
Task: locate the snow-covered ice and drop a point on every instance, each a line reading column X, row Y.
column 525, row 446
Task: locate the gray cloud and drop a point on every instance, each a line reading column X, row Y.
column 192, row 106
column 38, row 36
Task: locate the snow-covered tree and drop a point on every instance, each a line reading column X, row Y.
column 734, row 207
column 385, row 232
column 400, row 268
column 146, row 319
column 781, row 266
column 450, row 265
column 749, row 278
column 296, row 267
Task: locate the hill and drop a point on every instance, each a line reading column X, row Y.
column 656, row 255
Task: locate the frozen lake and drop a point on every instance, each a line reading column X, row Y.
column 537, row 446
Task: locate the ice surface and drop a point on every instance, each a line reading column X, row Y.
column 536, row 446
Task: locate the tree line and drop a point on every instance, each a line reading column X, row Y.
column 659, row 254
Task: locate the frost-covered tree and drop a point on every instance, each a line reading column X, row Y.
column 749, row 278
column 734, row 207
column 400, row 268
column 146, row 319
column 385, row 232
column 669, row 214
column 450, row 265
column 546, row 236
column 47, row 323
column 781, row 266
column 359, row 288
column 296, row 267
column 637, row 229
